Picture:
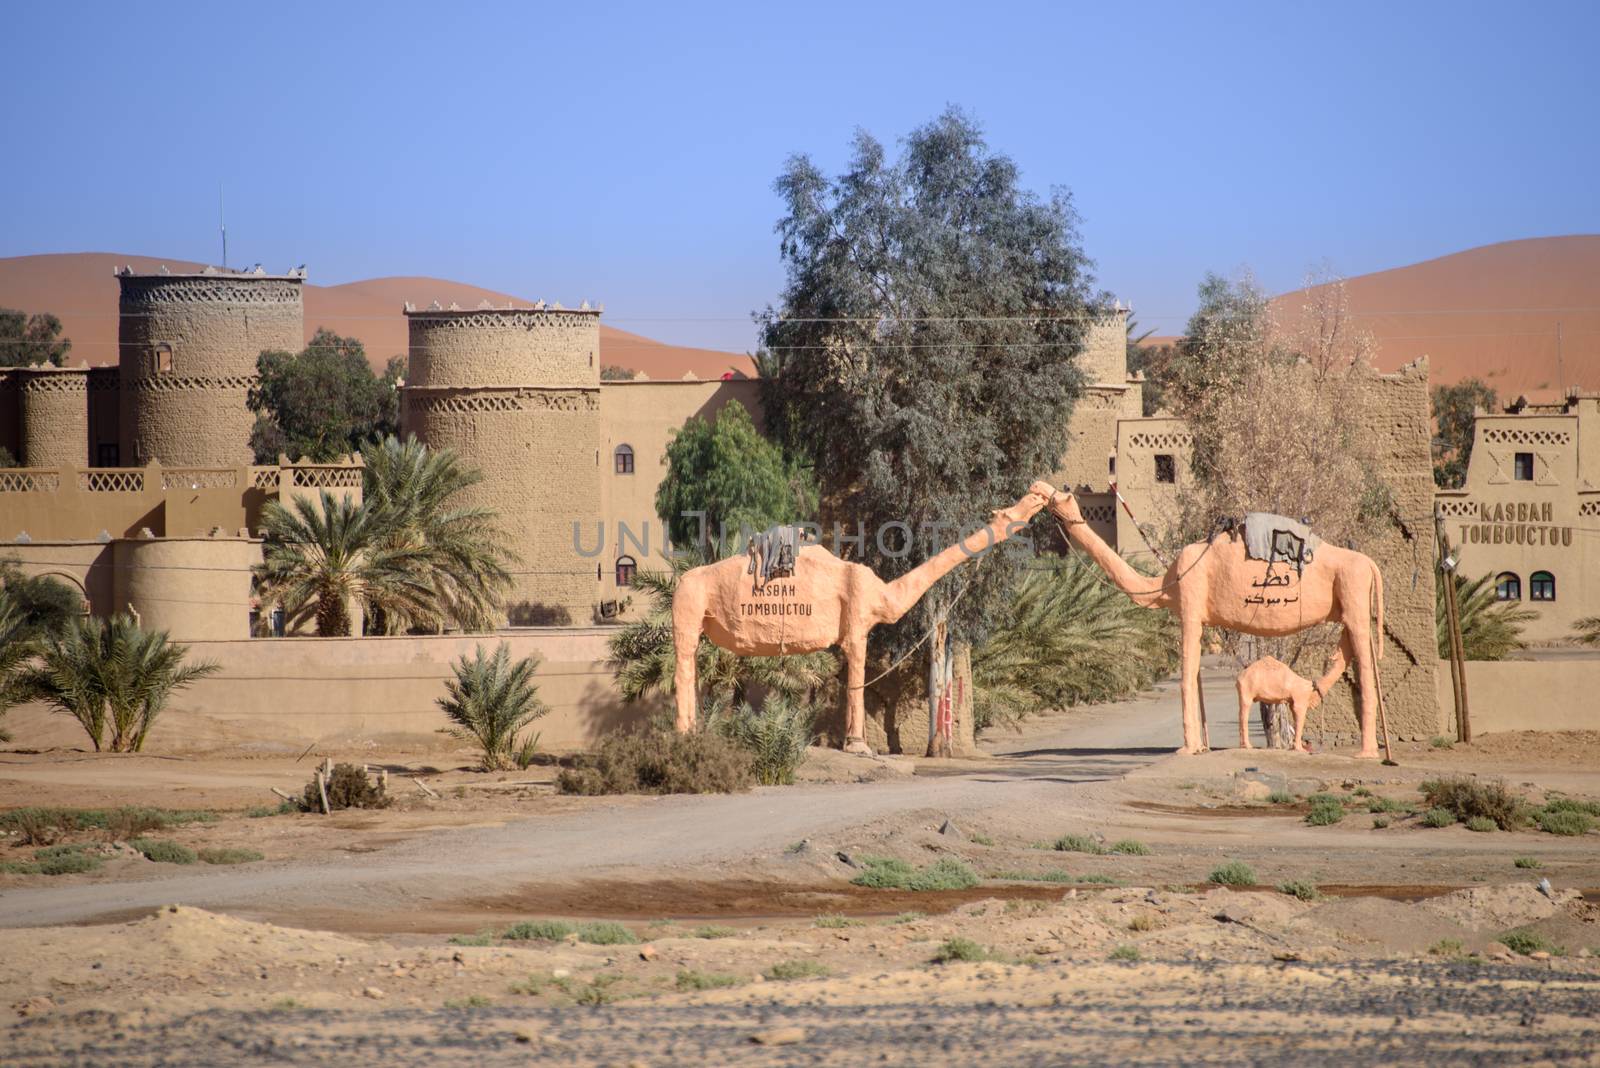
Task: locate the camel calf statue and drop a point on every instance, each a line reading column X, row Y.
column 744, row 607
column 1219, row 582
column 1271, row 681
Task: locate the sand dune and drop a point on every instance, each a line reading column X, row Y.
column 80, row 288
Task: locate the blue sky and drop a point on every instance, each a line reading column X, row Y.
column 625, row 152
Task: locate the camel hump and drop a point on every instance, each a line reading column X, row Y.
column 1269, row 536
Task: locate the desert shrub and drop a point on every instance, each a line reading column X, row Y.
column 1077, row 843
column 909, row 917
column 490, row 701
column 1438, row 817
column 482, row 938
column 1446, row 947
column 776, row 735
column 654, row 761
column 1233, row 873
column 1300, row 890
column 887, row 873
column 1325, row 810
column 688, row 979
column 1129, row 847
column 1097, row 878
column 1380, row 822
column 834, row 919
column 1050, row 875
column 1572, row 804
column 471, row 1001
column 164, row 851
column 1482, row 823
column 539, row 931
column 598, row 992
column 349, row 786
column 796, row 969
column 1564, row 822
column 606, row 933
column 1527, row 862
column 42, row 826
column 1385, row 804
column 980, row 839
column 1144, row 921
column 1128, row 953
column 1439, row 741
column 1526, row 942
column 712, row 931
column 1467, row 797
column 65, row 860
column 960, row 949
column 230, row 856
column 1281, row 797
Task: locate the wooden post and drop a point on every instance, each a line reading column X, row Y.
column 1458, row 659
column 323, row 774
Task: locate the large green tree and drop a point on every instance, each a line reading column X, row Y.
column 322, row 402
column 29, row 339
column 925, row 349
column 1454, row 413
column 726, row 471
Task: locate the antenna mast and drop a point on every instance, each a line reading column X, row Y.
column 222, row 222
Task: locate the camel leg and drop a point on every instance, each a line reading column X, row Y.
column 1193, row 736
column 1357, row 633
column 855, row 706
column 686, row 623
column 1300, row 709
column 1244, row 718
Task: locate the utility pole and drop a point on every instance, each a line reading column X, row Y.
column 1458, row 661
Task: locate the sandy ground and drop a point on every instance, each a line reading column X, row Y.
column 338, row 943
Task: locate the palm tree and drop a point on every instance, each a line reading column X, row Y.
column 110, row 670
column 16, row 646
column 642, row 653
column 1588, row 630
column 1069, row 637
column 1490, row 628
column 463, row 554
column 492, row 699
column 322, row 557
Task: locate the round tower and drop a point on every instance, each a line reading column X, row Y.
column 516, row 393
column 187, row 349
column 53, row 411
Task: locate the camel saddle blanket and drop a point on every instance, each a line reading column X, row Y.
column 1277, row 537
column 773, row 552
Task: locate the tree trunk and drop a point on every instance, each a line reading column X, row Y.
column 941, row 674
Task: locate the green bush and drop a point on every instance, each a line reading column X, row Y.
column 1466, row 798
column 1281, row 797
column 31, row 824
column 230, row 856
column 1438, row 817
column 1233, row 873
column 1049, row 875
column 688, row 979
column 834, row 919
column 1325, row 810
column 1564, row 822
column 1526, row 942
column 539, row 931
column 1527, row 862
column 1441, row 742
column 66, row 860
column 777, row 735
column 1129, row 847
column 712, row 931
column 1572, row 804
column 1077, row 843
column 164, row 851
column 348, row 786
column 1129, row 953
column 606, row 933
column 490, row 701
column 909, row 917
column 1380, row 822
column 887, row 873
column 1481, row 823
column 653, row 761
column 482, row 938
column 797, row 969
column 1446, row 947
column 1386, row 805
column 1300, row 889
column 960, row 949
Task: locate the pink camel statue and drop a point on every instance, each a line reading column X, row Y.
column 1271, row 681
column 826, row 602
column 1214, row 582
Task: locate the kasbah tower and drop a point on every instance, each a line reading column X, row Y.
column 187, row 351
column 516, row 393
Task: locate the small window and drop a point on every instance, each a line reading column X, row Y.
column 625, row 570
column 624, row 459
column 1507, row 587
column 164, row 359
column 1522, row 467
column 1166, row 468
column 105, row 454
column 1541, row 586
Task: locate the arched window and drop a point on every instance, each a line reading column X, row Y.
column 1507, row 586
column 1541, row 586
column 624, row 456
column 625, row 570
